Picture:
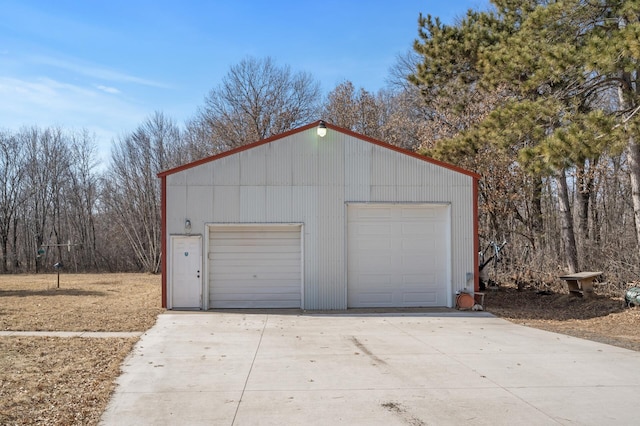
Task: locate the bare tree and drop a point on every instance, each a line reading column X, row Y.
column 256, row 99
column 47, row 164
column 12, row 175
column 405, row 65
column 131, row 188
column 82, row 198
column 356, row 110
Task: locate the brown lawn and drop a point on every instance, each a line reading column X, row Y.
column 84, row 302
column 68, row 381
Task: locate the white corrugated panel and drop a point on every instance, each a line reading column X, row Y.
column 255, row 266
column 399, row 255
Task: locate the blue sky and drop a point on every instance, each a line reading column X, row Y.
column 107, row 65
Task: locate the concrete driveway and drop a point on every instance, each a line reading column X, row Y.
column 428, row 368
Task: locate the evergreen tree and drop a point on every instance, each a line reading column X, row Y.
column 555, row 66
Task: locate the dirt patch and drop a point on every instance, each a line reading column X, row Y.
column 52, row 380
column 602, row 318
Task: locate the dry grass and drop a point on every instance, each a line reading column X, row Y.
column 68, row 381
column 84, row 302
column 58, row 381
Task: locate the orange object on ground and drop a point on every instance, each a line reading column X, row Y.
column 465, row 301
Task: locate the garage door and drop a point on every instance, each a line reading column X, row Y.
column 398, row 255
column 255, row 266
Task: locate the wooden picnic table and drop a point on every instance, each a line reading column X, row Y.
column 581, row 283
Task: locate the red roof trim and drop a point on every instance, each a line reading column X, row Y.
column 236, row 150
column 404, row 151
column 307, row 127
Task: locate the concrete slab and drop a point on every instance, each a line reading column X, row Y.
column 366, row 368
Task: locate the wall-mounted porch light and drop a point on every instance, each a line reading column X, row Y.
column 322, row 129
column 187, row 225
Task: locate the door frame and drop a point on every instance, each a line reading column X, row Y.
column 172, row 238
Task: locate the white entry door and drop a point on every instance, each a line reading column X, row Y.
column 186, row 272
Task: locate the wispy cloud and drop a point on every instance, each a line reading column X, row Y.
column 107, row 89
column 95, row 71
column 45, row 102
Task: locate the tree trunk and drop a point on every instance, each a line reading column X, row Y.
column 537, row 221
column 566, row 221
column 626, row 92
column 633, row 160
column 15, row 262
column 583, row 196
column 4, row 239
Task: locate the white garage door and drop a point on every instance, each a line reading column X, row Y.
column 398, row 255
column 255, row 266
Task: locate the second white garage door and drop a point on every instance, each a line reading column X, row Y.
column 398, row 255
column 255, row 266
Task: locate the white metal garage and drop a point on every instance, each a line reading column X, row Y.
column 255, row 266
column 398, row 255
column 301, row 220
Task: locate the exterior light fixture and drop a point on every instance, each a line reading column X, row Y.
column 322, row 129
column 187, row 225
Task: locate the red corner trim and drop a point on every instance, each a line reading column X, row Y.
column 476, row 238
column 163, row 236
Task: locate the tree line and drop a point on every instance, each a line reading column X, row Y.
column 59, row 204
column 540, row 98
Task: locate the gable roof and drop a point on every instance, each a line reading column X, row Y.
column 310, row 126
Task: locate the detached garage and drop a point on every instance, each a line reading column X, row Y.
column 310, row 222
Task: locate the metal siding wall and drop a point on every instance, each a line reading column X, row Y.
column 306, row 179
column 462, row 236
column 226, row 170
column 305, row 202
column 176, row 204
column 358, row 171
column 279, row 204
column 279, row 165
column 252, row 203
column 330, row 238
column 199, row 175
column 304, row 157
column 200, row 202
column 226, row 204
column 384, row 164
column 253, row 166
